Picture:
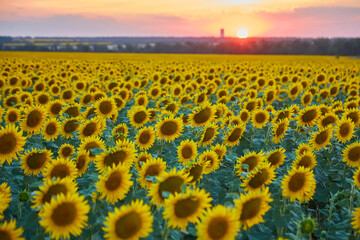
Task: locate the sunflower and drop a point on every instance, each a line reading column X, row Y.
column 105, row 107
column 283, row 114
column 5, row 198
column 54, row 107
column 299, row 184
column 259, row 118
column 219, row 223
column 321, row 138
column 52, row 188
column 114, row 156
column 60, row 168
column 252, row 207
column 115, row 183
column 306, row 160
column 66, row 150
column 169, row 128
column 276, row 158
column 187, row 151
column 232, row 138
column 210, row 160
column 12, row 116
column 195, row 171
column 327, row 119
column 151, row 168
column 308, row 116
column 279, row 130
column 132, row 221
column 182, row 208
column 145, row 138
column 294, row 91
column 11, row 143
column 120, row 132
column 34, row 162
column 259, row 177
column 202, row 115
column 244, row 116
column 11, row 101
column 72, row 110
column 67, row 95
column 50, row 130
column 142, row 158
column 209, row 134
column 354, row 115
column 86, row 99
column 306, row 98
column 251, row 159
column 82, row 160
column 69, row 127
column 92, row 127
column 270, row 96
column 9, row 231
column 351, row 154
column 33, row 119
column 220, row 151
column 304, row 147
column 356, row 178
column 126, row 143
column 42, row 98
column 138, row 116
column 141, row 100
column 344, row 131
column 170, row 182
column 65, row 215
column 91, row 143
column 356, row 219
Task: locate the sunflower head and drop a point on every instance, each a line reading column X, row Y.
column 351, row 154
column 11, row 143
column 187, row 151
column 169, row 128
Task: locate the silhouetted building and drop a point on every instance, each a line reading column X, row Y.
column 222, row 33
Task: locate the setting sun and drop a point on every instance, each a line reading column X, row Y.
column 242, row 33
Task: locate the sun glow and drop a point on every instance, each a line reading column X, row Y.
column 242, row 33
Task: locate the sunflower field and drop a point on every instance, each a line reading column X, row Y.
column 129, row 146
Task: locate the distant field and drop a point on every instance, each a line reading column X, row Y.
column 162, row 146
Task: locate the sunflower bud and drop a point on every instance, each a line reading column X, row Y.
column 24, row 196
column 307, row 226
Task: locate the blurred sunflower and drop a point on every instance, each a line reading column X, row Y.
column 34, row 161
column 114, row 156
column 42, row 98
column 344, row 130
column 187, row 151
column 54, row 107
column 145, row 138
column 327, row 119
column 151, row 168
column 356, row 220
column 91, row 143
column 304, row 147
column 66, row 150
column 220, row 150
column 142, row 158
column 202, row 115
column 51, row 129
column 276, row 158
column 210, row 161
column 132, row 221
column 306, row 160
column 65, row 215
column 308, row 116
column 92, row 127
column 251, row 159
column 232, row 138
column 12, row 116
column 182, row 208
column 169, row 128
column 33, row 119
column 82, row 160
column 69, row 127
column 354, row 115
column 105, row 107
column 9, row 231
column 138, row 116
column 5, row 198
column 60, row 168
column 259, row 177
column 244, row 116
column 11, row 143
column 115, row 183
column 252, row 207
column 306, row 98
column 356, row 178
column 72, row 110
column 209, row 134
column 259, row 118
column 195, row 171
column 351, row 154
column 52, row 188
column 299, row 184
column 120, row 132
column 321, row 138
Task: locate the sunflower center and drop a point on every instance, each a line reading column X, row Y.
column 66, row 151
column 309, row 116
column 251, row 209
column 36, row 160
column 152, row 170
column 203, row 116
column 322, row 137
column 328, row 120
column 71, row 126
column 217, row 228
column 50, row 129
column 73, row 111
column 80, row 163
column 53, row 191
column 307, row 98
column 171, row 185
column 128, row 225
column 244, row 116
column 195, row 172
column 169, row 128
column 114, row 181
column 354, row 154
column 259, row 179
column 139, row 117
column 186, row 207
column 56, row 108
column 305, row 162
column 144, row 137
column 117, row 157
column 43, row 99
column 354, row 117
column 209, row 133
column 260, row 118
column 344, row 129
column 34, row 118
column 235, row 135
column 297, row 182
column 274, row 158
column 5, row 235
column 67, row 95
column 252, row 162
column 64, row 214
column 89, row 129
column 7, row 143
column 105, row 107
column 91, row 145
column 60, row 171
column 186, row 152
column 12, row 117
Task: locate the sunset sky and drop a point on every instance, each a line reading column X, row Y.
column 180, row 18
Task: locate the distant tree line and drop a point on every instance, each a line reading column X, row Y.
column 310, row 46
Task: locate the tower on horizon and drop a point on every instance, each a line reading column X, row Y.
column 222, row 33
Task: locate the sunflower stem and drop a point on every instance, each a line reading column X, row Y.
column 352, row 196
column 165, row 232
column 20, row 209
